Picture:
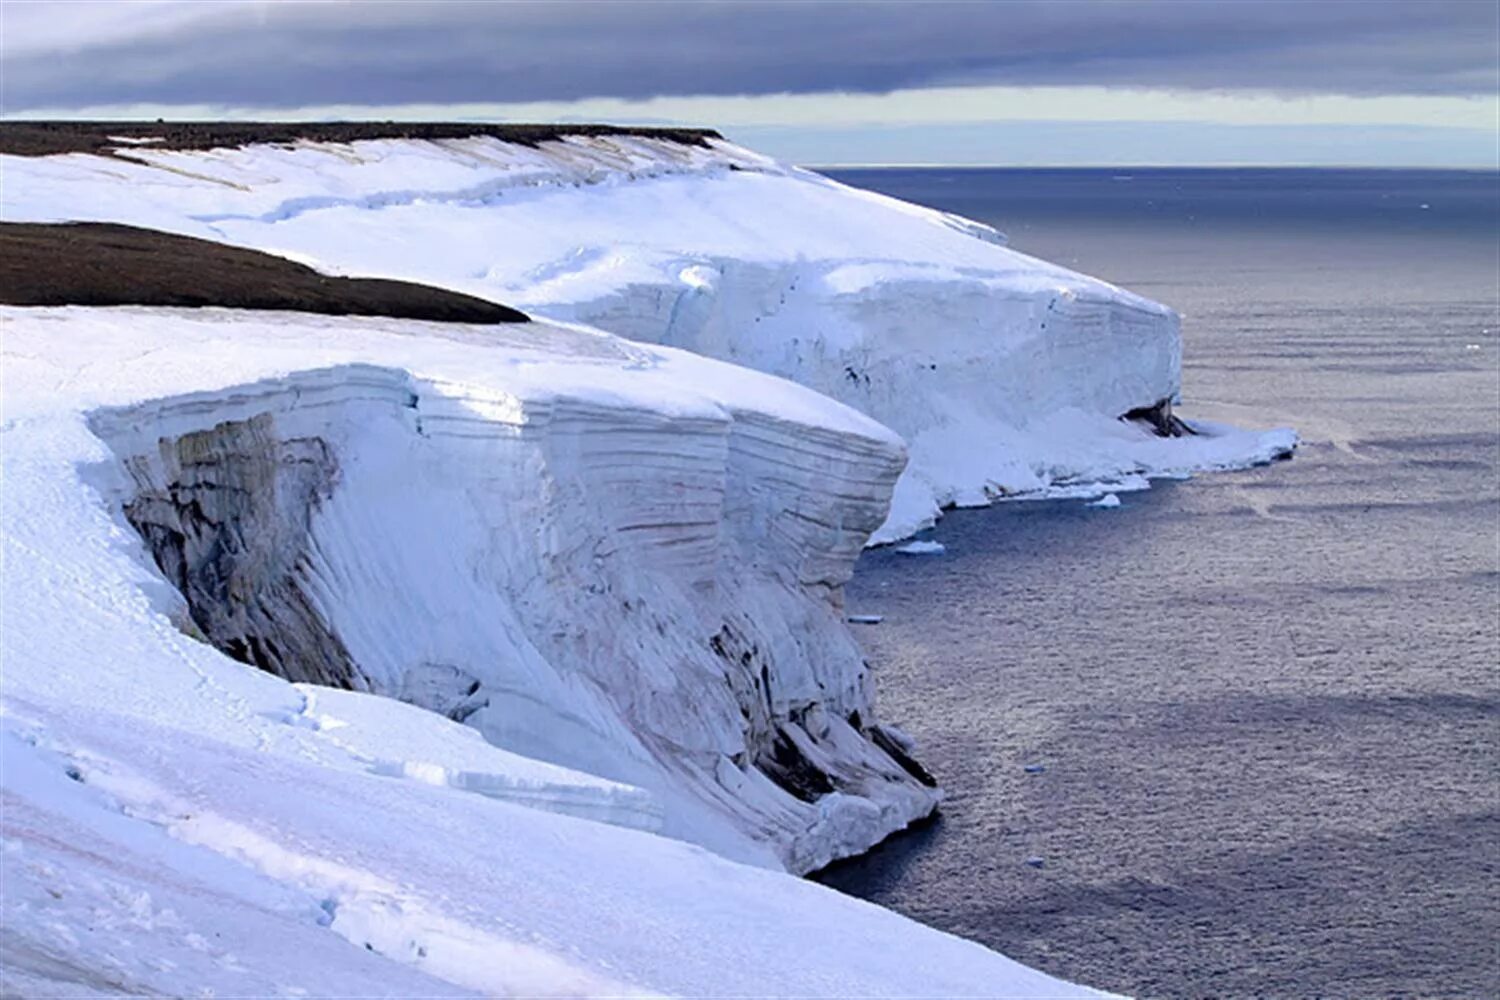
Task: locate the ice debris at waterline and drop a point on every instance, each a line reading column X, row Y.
column 624, row 561
column 921, row 548
column 1006, row 375
column 1108, row 501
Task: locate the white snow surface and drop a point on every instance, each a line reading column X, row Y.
column 1004, row 374
column 536, row 528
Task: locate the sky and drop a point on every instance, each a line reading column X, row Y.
column 1012, row 82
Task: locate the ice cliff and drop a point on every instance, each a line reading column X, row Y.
column 1005, row 375
column 623, row 560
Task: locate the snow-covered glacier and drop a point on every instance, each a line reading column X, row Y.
column 1005, row 375
column 435, row 654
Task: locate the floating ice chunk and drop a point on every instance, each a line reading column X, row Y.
column 1108, row 501
column 922, row 549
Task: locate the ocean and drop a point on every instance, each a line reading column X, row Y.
column 1241, row 735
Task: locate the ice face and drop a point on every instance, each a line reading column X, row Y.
column 625, row 561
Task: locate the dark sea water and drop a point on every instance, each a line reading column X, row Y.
column 1267, row 704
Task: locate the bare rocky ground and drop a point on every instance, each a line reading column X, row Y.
column 47, row 138
column 103, row 264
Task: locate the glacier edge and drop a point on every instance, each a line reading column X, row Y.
column 1005, row 374
column 646, row 592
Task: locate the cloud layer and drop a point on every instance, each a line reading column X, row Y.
column 289, row 55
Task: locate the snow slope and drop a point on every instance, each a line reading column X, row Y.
column 189, row 865
column 1004, row 374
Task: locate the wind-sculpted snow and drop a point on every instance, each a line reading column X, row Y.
column 1006, row 375
column 622, row 560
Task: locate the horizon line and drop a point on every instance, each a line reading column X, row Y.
column 1495, row 168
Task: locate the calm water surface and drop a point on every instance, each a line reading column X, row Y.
column 1266, row 704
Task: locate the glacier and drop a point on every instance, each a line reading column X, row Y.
column 511, row 659
column 1005, row 375
column 619, row 564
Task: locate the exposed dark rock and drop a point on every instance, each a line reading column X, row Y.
column 786, row 765
column 230, row 530
column 48, row 138
column 1158, row 417
column 103, row 264
column 894, row 750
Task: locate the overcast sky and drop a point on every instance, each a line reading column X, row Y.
column 1403, row 82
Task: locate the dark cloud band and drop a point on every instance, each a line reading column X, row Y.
column 296, row 55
